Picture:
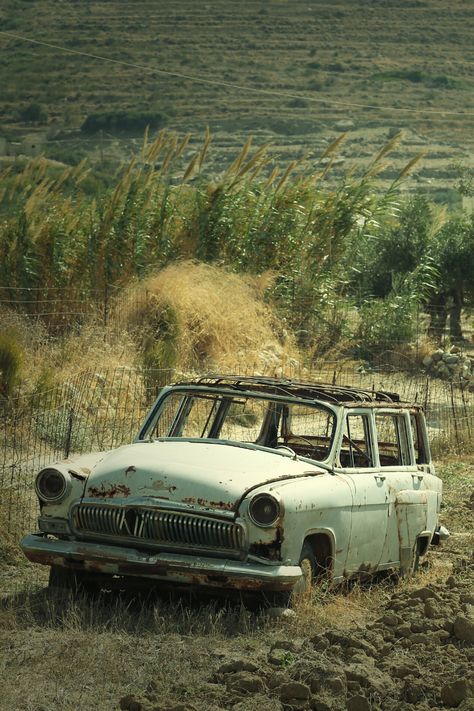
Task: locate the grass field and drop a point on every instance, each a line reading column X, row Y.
column 288, row 73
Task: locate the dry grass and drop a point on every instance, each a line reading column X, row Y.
column 219, row 319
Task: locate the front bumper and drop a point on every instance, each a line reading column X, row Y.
column 169, row 567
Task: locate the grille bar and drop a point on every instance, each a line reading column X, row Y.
column 158, row 527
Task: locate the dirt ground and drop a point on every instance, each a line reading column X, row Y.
column 387, row 645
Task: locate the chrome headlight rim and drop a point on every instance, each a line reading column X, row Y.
column 63, row 490
column 255, row 500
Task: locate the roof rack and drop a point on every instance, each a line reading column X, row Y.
column 299, row 388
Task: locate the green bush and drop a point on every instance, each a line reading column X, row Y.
column 33, row 113
column 385, row 325
column 124, row 121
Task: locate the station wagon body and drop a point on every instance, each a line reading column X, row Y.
column 246, row 483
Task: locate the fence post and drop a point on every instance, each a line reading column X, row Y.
column 106, row 305
column 453, row 408
column 67, row 443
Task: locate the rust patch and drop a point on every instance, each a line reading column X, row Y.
column 109, row 491
column 271, row 551
column 225, row 505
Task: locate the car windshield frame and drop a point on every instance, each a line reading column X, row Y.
column 231, row 394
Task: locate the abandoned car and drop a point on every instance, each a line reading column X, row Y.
column 246, row 483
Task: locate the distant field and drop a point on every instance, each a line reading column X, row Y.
column 309, row 63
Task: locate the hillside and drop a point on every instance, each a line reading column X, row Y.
column 292, row 74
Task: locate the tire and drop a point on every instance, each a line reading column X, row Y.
column 67, row 580
column 62, row 579
column 303, row 589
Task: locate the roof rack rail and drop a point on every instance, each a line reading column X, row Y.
column 301, row 388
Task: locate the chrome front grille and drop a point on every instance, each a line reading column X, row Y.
column 158, row 527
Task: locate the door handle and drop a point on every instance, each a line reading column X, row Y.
column 382, row 477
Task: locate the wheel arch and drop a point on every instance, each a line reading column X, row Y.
column 323, row 545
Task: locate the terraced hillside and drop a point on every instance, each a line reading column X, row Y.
column 294, row 74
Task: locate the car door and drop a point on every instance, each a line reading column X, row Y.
column 408, row 501
column 357, row 459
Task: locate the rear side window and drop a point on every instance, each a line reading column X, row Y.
column 421, row 455
column 392, row 439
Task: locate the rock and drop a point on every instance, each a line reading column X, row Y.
column 464, row 628
column 414, row 690
column 400, row 669
column 437, row 355
column 427, row 361
column 424, row 594
column 237, row 665
column 130, row 703
column 277, row 679
column 294, row 690
column 288, row 645
column 358, row 703
column 245, row 683
column 431, row 609
column 278, row 612
column 390, row 620
column 260, row 702
column 344, row 125
column 456, row 691
column 369, row 677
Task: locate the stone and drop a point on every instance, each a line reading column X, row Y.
column 464, row 628
column 431, row 609
column 453, row 693
column 424, row 594
column 390, row 620
column 344, row 125
column 245, row 683
column 288, row 645
column 414, row 690
column 358, row 703
column 237, row 665
column 130, row 703
column 294, row 690
column 260, row 702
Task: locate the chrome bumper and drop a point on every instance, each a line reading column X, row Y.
column 188, row 569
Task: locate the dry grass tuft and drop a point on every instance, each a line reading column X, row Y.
column 215, row 319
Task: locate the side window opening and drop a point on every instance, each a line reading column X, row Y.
column 421, row 456
column 392, row 439
column 356, row 447
column 308, row 430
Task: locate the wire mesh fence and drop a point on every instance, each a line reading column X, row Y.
column 62, row 309
column 97, row 411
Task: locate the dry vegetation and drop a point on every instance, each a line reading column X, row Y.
column 411, row 54
column 209, row 318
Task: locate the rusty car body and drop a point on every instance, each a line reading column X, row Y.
column 246, row 483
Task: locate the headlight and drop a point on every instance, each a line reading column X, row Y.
column 264, row 510
column 52, row 485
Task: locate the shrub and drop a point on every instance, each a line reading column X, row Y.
column 124, row 121
column 385, row 325
column 33, row 113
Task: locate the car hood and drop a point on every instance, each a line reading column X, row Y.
column 201, row 475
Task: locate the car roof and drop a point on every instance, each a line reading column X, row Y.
column 297, row 388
